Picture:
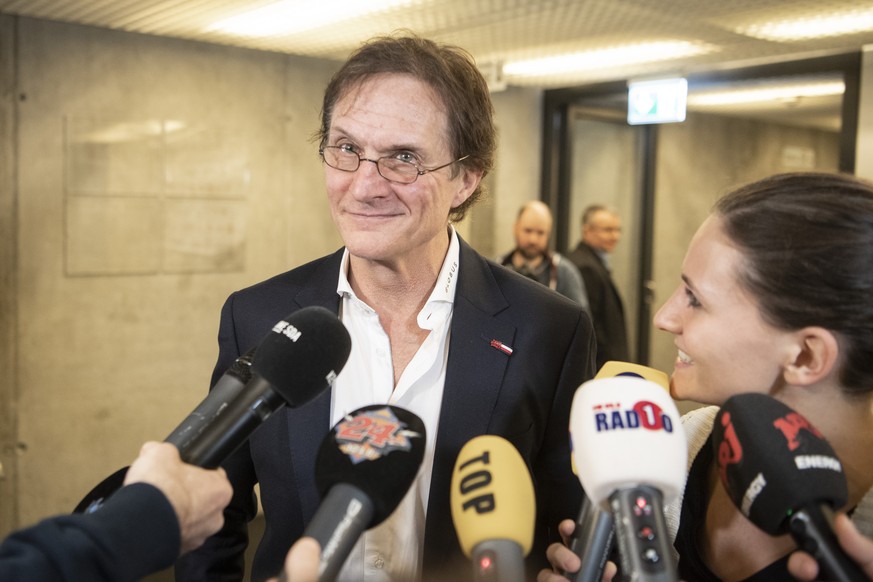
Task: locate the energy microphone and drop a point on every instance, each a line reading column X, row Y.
column 297, row 360
column 365, row 466
column 784, row 476
column 630, row 453
column 594, row 535
column 493, row 508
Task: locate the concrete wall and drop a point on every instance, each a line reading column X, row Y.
column 141, row 181
column 864, row 151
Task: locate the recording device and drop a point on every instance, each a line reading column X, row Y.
column 364, row 468
column 630, row 453
column 594, row 535
column 493, row 508
column 297, row 360
column 784, row 476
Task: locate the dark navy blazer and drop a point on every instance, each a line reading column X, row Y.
column 524, row 397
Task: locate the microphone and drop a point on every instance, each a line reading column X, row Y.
column 225, row 390
column 594, row 535
column 784, row 476
column 297, row 360
column 364, row 468
column 493, row 508
column 630, row 453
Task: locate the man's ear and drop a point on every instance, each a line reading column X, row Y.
column 470, row 180
column 816, row 355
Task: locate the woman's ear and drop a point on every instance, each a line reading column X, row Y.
column 816, row 355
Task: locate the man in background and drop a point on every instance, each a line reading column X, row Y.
column 531, row 256
column 601, row 231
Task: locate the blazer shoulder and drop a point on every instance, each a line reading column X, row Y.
column 321, row 271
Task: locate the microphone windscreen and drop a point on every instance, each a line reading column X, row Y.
column 492, row 496
column 303, row 354
column 626, row 431
column 615, row 368
column 772, row 461
column 378, row 449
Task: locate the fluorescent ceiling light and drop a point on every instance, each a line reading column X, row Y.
column 293, row 16
column 833, row 24
column 604, row 58
column 761, row 94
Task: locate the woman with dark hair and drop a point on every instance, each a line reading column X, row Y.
column 776, row 298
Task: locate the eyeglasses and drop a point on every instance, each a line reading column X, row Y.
column 391, row 168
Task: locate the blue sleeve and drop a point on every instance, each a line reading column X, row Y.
column 134, row 534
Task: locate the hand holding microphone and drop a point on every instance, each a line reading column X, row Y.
column 297, row 360
column 631, row 454
column 364, row 468
column 593, row 537
column 783, row 475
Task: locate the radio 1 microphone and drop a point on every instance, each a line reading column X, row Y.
column 364, row 468
column 225, row 390
column 594, row 535
column 296, row 361
column 630, row 453
column 493, row 508
column 784, row 476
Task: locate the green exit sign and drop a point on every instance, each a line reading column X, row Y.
column 661, row 101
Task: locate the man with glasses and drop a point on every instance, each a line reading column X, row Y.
column 406, row 137
column 601, row 231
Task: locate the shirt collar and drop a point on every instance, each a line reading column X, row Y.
column 439, row 305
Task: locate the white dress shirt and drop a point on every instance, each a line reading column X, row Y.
column 393, row 550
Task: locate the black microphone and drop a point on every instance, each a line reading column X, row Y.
column 225, row 390
column 297, row 360
column 784, row 476
column 364, row 468
column 593, row 539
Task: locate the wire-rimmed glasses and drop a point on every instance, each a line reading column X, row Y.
column 391, row 168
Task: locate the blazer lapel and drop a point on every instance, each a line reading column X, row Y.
column 308, row 424
column 473, row 379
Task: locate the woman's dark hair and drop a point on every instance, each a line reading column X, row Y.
column 454, row 78
column 807, row 239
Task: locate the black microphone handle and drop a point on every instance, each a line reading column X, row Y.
column 503, row 561
column 224, row 391
column 812, row 528
column 641, row 531
column 592, row 541
column 339, row 521
column 234, row 425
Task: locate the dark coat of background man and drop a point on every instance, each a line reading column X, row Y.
column 601, row 231
column 406, row 136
